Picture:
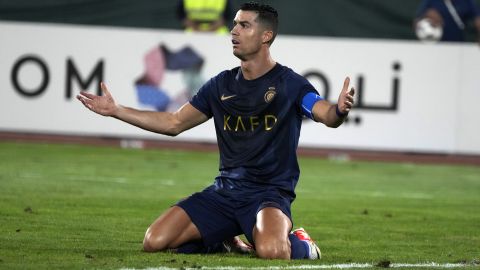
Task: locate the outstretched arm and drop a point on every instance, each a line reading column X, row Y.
column 165, row 123
column 333, row 115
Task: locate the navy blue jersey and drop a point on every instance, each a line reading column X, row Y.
column 258, row 126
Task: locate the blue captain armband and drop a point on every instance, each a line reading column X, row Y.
column 308, row 102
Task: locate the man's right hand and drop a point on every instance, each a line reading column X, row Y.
column 104, row 105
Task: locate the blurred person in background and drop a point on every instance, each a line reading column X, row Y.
column 450, row 16
column 205, row 15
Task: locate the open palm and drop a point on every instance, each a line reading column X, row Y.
column 104, row 105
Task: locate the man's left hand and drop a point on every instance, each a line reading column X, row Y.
column 345, row 100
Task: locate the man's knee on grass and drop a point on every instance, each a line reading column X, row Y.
column 273, row 250
column 153, row 243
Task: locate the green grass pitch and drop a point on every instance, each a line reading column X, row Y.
column 84, row 207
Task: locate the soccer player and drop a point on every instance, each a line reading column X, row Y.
column 257, row 110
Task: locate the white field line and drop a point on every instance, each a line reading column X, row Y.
column 321, row 266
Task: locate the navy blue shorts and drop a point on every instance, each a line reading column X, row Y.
column 218, row 217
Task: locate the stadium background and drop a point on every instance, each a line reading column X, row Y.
column 67, row 204
column 390, row 19
column 365, row 20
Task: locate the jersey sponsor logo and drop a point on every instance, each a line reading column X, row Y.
column 249, row 123
column 270, row 94
column 223, row 97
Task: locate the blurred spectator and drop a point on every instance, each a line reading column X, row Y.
column 205, row 15
column 451, row 15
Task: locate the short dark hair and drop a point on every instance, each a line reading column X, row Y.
column 267, row 16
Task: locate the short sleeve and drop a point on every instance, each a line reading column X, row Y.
column 202, row 100
column 305, row 89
